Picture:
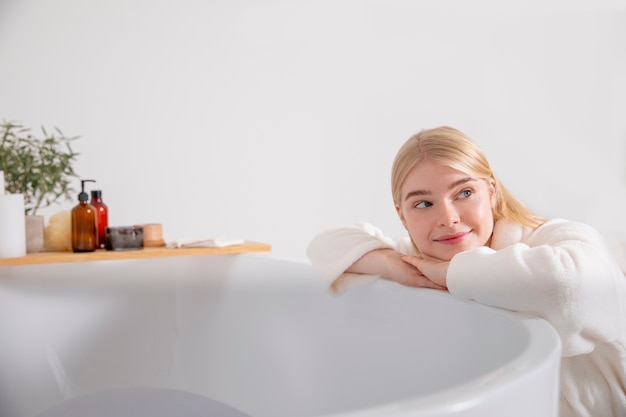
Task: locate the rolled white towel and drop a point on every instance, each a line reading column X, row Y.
column 204, row 242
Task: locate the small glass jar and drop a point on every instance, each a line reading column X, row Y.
column 124, row 238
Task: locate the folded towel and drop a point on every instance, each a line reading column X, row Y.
column 203, row 242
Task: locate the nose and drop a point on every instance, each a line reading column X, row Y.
column 448, row 215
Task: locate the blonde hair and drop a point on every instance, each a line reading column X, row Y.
column 450, row 147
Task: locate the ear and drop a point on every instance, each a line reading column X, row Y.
column 401, row 215
column 491, row 184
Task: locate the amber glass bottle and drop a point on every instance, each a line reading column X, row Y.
column 84, row 223
column 102, row 215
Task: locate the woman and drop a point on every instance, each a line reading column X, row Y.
column 469, row 235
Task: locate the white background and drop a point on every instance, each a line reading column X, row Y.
column 273, row 120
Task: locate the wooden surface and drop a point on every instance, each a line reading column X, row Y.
column 103, row 255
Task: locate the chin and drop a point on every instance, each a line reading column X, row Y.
column 441, row 255
column 447, row 255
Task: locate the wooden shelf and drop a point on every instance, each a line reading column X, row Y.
column 104, row 255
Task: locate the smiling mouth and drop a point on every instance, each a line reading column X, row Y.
column 452, row 238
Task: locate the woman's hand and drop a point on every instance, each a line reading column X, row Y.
column 434, row 269
column 389, row 264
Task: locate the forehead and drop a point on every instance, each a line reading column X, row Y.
column 430, row 176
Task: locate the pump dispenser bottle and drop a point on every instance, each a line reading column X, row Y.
column 102, row 214
column 84, row 223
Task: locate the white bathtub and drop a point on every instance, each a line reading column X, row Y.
column 262, row 335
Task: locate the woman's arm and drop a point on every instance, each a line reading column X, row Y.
column 562, row 272
column 388, row 263
column 361, row 252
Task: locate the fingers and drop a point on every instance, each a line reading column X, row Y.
column 433, row 269
column 412, row 260
column 417, row 282
column 409, row 275
column 424, row 282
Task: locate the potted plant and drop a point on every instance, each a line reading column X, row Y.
column 40, row 168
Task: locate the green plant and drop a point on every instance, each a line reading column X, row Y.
column 41, row 169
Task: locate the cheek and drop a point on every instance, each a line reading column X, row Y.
column 489, row 207
column 418, row 229
column 484, row 218
column 481, row 212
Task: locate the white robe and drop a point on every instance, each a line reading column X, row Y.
column 560, row 271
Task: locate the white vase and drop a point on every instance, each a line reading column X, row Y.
column 12, row 229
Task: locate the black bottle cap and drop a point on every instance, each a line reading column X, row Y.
column 96, row 193
column 83, row 196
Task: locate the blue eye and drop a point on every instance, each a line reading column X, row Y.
column 465, row 193
column 422, row 204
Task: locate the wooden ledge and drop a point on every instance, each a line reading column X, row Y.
column 104, row 255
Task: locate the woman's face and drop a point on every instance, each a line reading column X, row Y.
column 445, row 210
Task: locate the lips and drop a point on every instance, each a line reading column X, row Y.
column 452, row 238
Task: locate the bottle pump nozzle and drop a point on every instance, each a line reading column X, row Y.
column 83, row 196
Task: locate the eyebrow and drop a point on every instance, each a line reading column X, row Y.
column 451, row 186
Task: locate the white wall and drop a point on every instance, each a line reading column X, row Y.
column 272, row 120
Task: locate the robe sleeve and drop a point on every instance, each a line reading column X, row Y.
column 561, row 272
column 333, row 251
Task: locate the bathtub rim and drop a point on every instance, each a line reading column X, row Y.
column 544, row 347
column 540, row 352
